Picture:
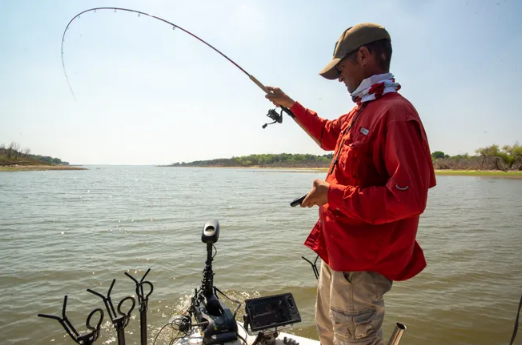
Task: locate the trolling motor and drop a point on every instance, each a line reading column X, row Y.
column 218, row 324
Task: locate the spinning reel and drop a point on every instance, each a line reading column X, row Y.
column 272, row 113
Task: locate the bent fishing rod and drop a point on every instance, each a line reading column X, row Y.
column 272, row 114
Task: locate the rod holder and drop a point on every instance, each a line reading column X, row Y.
column 396, row 336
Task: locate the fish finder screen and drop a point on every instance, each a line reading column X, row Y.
column 272, row 311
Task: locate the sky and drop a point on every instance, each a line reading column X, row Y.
column 147, row 94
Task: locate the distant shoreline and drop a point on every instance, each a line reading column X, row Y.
column 243, row 167
column 39, row 167
column 447, row 172
column 492, row 173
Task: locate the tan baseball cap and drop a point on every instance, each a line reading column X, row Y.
column 352, row 39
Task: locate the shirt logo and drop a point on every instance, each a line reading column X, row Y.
column 401, row 188
column 364, row 131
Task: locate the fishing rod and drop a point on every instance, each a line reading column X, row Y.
column 272, row 114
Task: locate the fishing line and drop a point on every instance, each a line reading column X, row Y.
column 271, row 114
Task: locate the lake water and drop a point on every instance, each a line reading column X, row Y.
column 62, row 232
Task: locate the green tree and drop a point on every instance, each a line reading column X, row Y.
column 508, row 153
column 438, row 155
column 488, row 151
column 515, row 150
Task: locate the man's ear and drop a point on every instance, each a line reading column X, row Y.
column 364, row 56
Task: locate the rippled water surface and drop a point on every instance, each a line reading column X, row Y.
column 62, row 232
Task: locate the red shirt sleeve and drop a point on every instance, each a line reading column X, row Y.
column 326, row 131
column 408, row 163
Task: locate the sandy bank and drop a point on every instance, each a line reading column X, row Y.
column 39, row 167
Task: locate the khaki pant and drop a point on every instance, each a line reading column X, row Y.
column 350, row 307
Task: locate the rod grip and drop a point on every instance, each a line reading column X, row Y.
column 258, row 83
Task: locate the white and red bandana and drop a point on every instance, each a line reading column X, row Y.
column 374, row 87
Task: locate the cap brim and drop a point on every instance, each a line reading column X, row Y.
column 329, row 71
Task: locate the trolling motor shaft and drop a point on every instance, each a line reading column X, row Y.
column 218, row 322
column 210, row 235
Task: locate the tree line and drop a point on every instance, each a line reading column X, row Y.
column 265, row 160
column 493, row 157
column 487, row 158
column 14, row 154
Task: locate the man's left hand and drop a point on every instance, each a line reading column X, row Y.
column 318, row 195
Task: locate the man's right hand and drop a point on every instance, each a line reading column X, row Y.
column 279, row 98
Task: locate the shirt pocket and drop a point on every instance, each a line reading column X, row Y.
column 355, row 159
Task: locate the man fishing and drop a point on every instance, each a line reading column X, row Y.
column 374, row 192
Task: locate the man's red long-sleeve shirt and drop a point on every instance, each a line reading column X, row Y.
column 378, row 188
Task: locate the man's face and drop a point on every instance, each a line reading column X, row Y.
column 350, row 73
column 354, row 68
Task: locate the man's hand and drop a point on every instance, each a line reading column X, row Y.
column 279, row 98
column 318, row 195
